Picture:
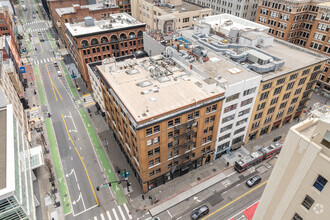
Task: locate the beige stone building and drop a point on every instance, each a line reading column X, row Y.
column 297, row 188
column 11, row 89
column 167, row 16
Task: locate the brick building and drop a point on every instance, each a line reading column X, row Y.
column 305, row 23
column 77, row 13
column 159, row 112
column 94, row 40
column 7, row 25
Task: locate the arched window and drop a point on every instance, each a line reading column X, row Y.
column 113, row 39
column 123, row 37
column 131, row 35
column 140, row 33
column 84, row 43
column 94, row 41
column 104, row 40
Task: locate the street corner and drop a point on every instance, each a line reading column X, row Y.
column 246, row 214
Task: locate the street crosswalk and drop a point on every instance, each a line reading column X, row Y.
column 88, row 99
column 119, row 213
column 33, row 113
column 45, row 60
column 31, row 30
column 34, row 22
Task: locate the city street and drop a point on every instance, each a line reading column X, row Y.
column 79, row 166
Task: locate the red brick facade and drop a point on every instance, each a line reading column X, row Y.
column 112, row 44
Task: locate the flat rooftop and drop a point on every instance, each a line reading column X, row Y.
column 115, row 22
column 93, row 7
column 228, row 21
column 184, row 7
column 291, row 54
column 3, row 146
column 146, row 96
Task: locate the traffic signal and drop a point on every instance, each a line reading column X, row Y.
column 97, row 188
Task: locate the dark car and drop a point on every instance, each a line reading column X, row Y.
column 253, row 181
column 199, row 212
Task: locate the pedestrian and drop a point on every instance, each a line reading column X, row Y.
column 143, row 197
column 90, row 115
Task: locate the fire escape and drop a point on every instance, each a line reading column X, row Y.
column 183, row 140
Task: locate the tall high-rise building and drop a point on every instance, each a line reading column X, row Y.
column 305, row 23
column 298, row 187
column 16, row 191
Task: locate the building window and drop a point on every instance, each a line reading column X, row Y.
column 286, row 95
column 151, row 173
column 302, row 81
column 177, row 121
column 232, row 97
column 230, row 108
column 157, row 150
column 156, row 129
column 214, row 107
column 185, row 20
column 150, row 153
column 280, row 81
column 264, row 96
column 258, row 115
column 170, row 123
column 228, row 118
column 158, row 170
column 236, row 140
column 224, row 137
column 246, row 102
column 170, row 144
column 249, row 91
column 170, row 134
column 293, row 76
column 241, row 121
column 157, row 160
column 273, row 101
column 283, row 105
column 277, row 90
column 239, row 130
column 271, row 110
column 297, row 217
column 308, row 202
column 305, row 72
column 267, row 86
column 228, row 127
column 244, row 112
column 261, row 106
column 148, row 131
column 156, row 140
column 151, row 163
column 169, row 165
column 320, row 183
column 149, row 142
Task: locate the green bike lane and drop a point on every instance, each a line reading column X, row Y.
column 119, row 194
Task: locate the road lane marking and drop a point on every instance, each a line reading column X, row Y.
column 115, row 213
column 127, row 211
column 109, row 216
column 53, row 85
column 40, row 43
column 67, row 131
column 169, row 214
column 86, row 95
column 242, row 210
column 92, row 103
column 238, row 198
column 121, row 213
column 102, row 217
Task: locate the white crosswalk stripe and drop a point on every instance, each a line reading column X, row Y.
column 109, row 216
column 37, row 62
column 115, row 213
column 45, row 60
column 127, row 211
column 121, row 212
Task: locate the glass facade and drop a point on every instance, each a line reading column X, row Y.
column 20, row 205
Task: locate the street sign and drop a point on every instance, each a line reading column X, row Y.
column 22, row 68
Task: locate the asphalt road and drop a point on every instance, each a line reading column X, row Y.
column 226, row 198
column 82, row 169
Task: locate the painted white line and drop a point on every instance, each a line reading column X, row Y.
column 231, row 174
column 121, row 212
column 37, row 62
column 127, row 211
column 75, row 176
column 73, row 122
column 169, row 213
column 40, row 61
column 115, row 213
column 84, row 211
column 109, row 216
column 78, row 186
column 47, row 59
column 102, row 217
column 148, row 218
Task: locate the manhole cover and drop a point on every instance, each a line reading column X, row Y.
column 198, row 178
column 214, row 170
column 239, row 155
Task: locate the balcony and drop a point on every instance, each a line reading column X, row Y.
column 186, row 154
column 183, row 145
column 188, row 133
column 186, row 124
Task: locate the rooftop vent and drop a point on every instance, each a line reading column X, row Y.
column 89, row 21
column 132, row 72
column 145, row 92
column 152, row 99
column 163, row 79
column 144, row 84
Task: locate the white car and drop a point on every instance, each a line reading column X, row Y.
column 59, row 73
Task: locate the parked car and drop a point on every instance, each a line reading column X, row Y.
column 55, row 64
column 155, row 218
column 253, row 181
column 59, row 73
column 39, row 33
column 42, row 40
column 199, row 212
